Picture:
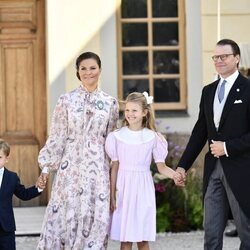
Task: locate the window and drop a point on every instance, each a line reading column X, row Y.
column 151, row 49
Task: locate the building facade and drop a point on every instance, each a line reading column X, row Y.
column 161, row 46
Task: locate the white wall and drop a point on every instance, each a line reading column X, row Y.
column 194, row 72
column 81, row 25
column 233, row 24
column 74, row 27
column 108, row 50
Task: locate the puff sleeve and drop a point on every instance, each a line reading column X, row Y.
column 160, row 149
column 111, row 147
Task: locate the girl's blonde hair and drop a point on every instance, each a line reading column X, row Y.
column 148, row 121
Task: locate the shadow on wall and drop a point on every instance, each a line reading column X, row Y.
column 100, row 40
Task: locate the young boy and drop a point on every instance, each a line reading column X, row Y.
column 10, row 185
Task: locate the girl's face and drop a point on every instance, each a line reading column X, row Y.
column 3, row 159
column 134, row 115
column 89, row 73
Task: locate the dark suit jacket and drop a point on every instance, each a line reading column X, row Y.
column 234, row 129
column 11, row 186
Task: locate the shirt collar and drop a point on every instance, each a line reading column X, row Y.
column 231, row 79
column 1, row 171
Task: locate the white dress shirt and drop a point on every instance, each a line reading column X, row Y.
column 1, row 175
column 218, row 106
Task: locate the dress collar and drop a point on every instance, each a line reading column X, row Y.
column 134, row 137
column 90, row 93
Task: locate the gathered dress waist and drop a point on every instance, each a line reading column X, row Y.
column 136, row 168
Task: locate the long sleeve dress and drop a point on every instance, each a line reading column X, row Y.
column 77, row 216
column 134, row 219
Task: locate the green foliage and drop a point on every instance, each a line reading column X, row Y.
column 178, row 209
column 194, row 201
column 162, row 218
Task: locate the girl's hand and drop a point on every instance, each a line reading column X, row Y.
column 178, row 179
column 112, row 204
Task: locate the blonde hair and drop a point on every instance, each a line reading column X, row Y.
column 5, row 147
column 149, row 120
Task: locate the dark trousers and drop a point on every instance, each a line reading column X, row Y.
column 219, row 199
column 7, row 240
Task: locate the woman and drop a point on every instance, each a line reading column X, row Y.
column 77, row 216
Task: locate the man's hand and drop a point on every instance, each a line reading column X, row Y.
column 180, row 177
column 178, row 180
column 217, row 148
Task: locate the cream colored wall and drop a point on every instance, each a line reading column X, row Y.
column 185, row 123
column 80, row 25
column 234, row 24
column 74, row 27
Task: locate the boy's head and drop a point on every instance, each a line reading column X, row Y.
column 4, row 152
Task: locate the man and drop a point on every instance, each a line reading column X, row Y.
column 224, row 122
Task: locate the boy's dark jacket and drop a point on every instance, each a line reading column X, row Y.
column 11, row 186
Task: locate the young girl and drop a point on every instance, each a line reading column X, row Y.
column 131, row 149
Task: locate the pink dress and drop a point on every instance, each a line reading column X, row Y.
column 134, row 219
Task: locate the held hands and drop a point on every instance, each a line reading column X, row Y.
column 179, row 177
column 42, row 180
column 217, row 148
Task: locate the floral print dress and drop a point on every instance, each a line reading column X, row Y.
column 77, row 215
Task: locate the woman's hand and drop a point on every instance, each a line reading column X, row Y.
column 42, row 180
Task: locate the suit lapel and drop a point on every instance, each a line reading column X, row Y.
column 236, row 90
column 4, row 180
column 211, row 103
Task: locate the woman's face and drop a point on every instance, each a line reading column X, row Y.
column 89, row 73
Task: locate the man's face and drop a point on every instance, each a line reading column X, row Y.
column 226, row 65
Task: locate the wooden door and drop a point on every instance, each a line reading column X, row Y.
column 23, row 87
